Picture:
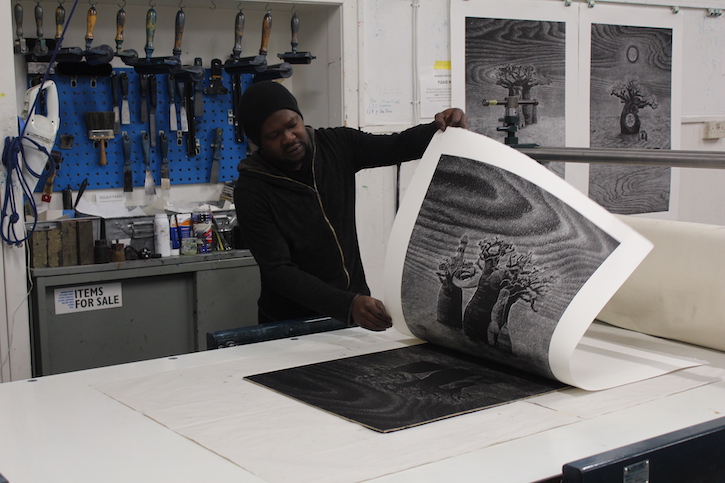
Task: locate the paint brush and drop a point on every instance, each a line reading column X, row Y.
column 100, row 128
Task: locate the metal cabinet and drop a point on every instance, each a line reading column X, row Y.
column 98, row 315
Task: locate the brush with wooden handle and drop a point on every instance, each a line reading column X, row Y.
column 100, row 128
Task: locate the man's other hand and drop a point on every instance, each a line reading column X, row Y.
column 451, row 117
column 370, row 313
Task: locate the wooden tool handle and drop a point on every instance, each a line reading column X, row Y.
column 266, row 30
column 238, row 34
column 18, row 13
column 295, row 27
column 150, row 32
column 90, row 25
column 120, row 24
column 39, row 20
column 179, row 32
column 102, row 154
column 59, row 21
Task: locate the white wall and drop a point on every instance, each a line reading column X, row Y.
column 389, row 48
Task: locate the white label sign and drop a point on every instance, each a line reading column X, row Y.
column 88, row 297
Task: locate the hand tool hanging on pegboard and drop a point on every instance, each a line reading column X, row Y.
column 235, row 60
column 127, row 166
column 171, row 89
column 40, row 49
column 115, row 95
column 97, row 61
column 125, row 110
column 295, row 57
column 128, row 56
column 103, row 54
column 166, row 64
column 21, row 47
column 152, row 89
column 271, row 72
column 216, row 146
column 64, row 54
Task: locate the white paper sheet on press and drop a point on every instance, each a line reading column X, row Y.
column 587, row 362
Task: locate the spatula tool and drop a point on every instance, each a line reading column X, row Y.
column 146, row 148
column 164, row 145
column 127, row 169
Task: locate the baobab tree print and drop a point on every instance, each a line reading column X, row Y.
column 493, row 262
column 630, row 107
column 524, row 58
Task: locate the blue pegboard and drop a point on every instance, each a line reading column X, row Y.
column 81, row 161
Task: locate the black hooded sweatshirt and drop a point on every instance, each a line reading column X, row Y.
column 303, row 237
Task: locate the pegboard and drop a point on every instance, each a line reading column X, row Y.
column 85, row 94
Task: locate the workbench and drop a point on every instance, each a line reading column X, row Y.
column 106, row 424
column 168, row 306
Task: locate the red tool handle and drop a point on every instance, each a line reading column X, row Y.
column 238, row 34
column 266, row 30
column 179, row 32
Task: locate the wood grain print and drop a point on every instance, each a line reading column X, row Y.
column 401, row 388
column 493, row 262
column 630, row 107
column 524, row 58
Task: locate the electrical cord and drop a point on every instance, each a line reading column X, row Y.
column 14, row 161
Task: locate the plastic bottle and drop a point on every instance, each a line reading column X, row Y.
column 162, row 235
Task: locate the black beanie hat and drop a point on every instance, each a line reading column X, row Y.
column 260, row 101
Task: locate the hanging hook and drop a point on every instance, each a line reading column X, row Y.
column 181, row 5
column 267, row 8
column 293, row 8
column 240, row 7
column 60, row 2
column 212, row 6
column 152, row 4
column 121, row 5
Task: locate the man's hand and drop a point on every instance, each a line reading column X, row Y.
column 451, row 117
column 370, row 313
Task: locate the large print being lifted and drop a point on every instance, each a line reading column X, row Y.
column 493, row 255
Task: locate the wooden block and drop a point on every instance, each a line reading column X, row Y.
column 54, row 247
column 69, row 248
column 84, row 229
column 39, row 249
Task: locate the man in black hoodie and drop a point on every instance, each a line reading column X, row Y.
column 295, row 202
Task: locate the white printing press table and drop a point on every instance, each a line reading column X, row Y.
column 66, row 427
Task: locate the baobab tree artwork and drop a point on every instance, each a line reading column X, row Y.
column 630, row 107
column 493, row 262
column 524, row 58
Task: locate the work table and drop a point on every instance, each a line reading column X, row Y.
column 108, row 424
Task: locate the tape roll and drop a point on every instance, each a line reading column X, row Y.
column 677, row 290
